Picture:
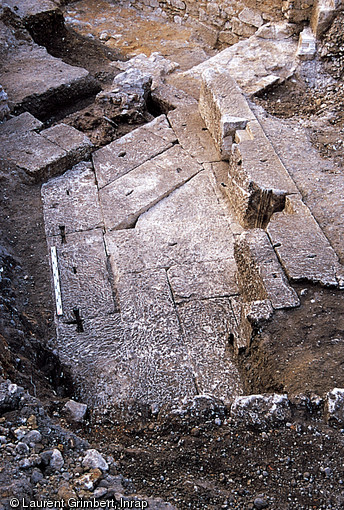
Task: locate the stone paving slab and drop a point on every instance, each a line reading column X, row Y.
column 84, row 277
column 260, row 273
column 169, row 97
column 301, row 246
column 203, row 280
column 34, row 154
column 28, row 9
column 34, row 80
column 193, row 134
column 187, row 227
column 77, row 145
column 147, row 307
column 132, row 150
column 208, row 326
column 124, row 200
column 22, row 124
column 71, row 201
column 40, row 156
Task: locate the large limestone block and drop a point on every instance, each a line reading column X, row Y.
column 162, row 370
column 20, row 125
column 132, row 150
column 193, row 134
column 38, row 157
column 124, row 200
column 260, row 273
column 34, row 80
column 77, row 145
column 208, row 327
column 71, row 203
column 257, row 181
column 84, row 278
column 223, row 108
column 301, row 246
column 187, row 227
column 203, row 280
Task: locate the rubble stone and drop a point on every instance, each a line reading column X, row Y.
column 94, row 460
column 262, row 411
column 75, row 411
column 334, row 407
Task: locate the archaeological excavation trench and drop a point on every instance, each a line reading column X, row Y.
column 188, row 253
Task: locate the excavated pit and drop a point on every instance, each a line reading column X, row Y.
column 221, row 277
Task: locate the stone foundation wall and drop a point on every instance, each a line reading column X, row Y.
column 230, row 20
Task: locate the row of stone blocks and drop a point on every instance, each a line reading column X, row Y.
column 282, row 243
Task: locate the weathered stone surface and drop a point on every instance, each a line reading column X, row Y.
column 250, row 316
column 251, row 17
column 132, row 150
column 203, row 280
column 71, row 201
column 161, row 370
column 155, row 66
column 127, row 97
column 77, row 145
column 301, row 246
column 4, row 108
column 334, row 407
column 262, row 411
column 187, row 227
column 168, row 98
column 20, row 125
column 251, row 60
column 324, row 12
column 19, row 76
column 258, row 182
column 124, row 200
column 28, row 9
column 282, row 30
column 307, row 45
column 208, row 327
column 260, row 274
column 37, row 156
column 75, row 411
column 223, row 109
column 193, row 134
column 84, row 278
column 94, row 460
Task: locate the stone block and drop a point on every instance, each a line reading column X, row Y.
column 334, row 407
column 84, row 278
column 251, row 17
column 71, row 202
column 262, row 411
column 260, row 273
column 168, row 98
column 227, row 37
column 193, row 134
column 242, row 29
column 26, row 10
column 203, row 280
column 323, row 15
column 24, row 63
column 37, row 156
column 250, row 317
column 124, row 200
column 132, row 150
column 301, row 246
column 258, row 182
column 208, row 327
column 220, row 101
column 187, row 227
column 20, row 125
column 77, row 145
column 307, row 45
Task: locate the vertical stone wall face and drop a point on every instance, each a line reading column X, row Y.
column 232, row 20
